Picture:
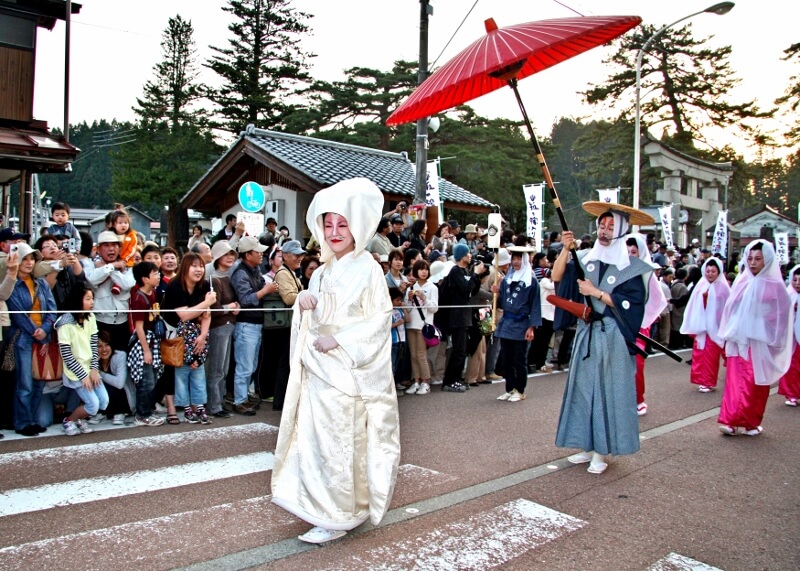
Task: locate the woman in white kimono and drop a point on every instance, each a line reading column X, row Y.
column 756, row 327
column 701, row 319
column 339, row 443
column 789, row 385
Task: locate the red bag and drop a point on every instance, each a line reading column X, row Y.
column 46, row 363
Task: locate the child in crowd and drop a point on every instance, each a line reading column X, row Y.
column 121, row 225
column 62, row 226
column 77, row 341
column 144, row 359
column 399, row 318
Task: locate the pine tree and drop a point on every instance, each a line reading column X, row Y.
column 173, row 146
column 790, row 100
column 262, row 66
column 357, row 106
column 684, row 86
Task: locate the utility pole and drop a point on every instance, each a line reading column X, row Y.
column 425, row 11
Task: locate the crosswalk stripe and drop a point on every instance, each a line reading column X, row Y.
column 23, row 500
column 482, row 541
column 84, row 452
column 177, row 536
column 678, row 562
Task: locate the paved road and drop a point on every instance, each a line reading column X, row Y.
column 481, row 486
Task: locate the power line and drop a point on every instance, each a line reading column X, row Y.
column 454, row 34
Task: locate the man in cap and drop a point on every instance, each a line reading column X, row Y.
column 401, row 210
column 396, row 236
column 289, row 286
column 460, row 286
column 112, row 282
column 598, row 411
column 250, row 288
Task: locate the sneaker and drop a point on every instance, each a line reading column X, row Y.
column 516, row 396
column 319, row 535
column 494, row 377
column 791, row 402
column 436, row 381
column 401, row 388
column 705, row 389
column 424, row 389
column 504, row 396
column 191, row 416
column 151, row 420
column 222, row 414
column 641, row 409
column 727, row 430
column 545, row 369
column 753, row 431
column 412, row 390
column 119, row 419
column 203, row 418
column 454, row 388
column 244, row 410
column 97, row 418
column 70, row 428
column 83, row 427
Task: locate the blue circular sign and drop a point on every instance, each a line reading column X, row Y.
column 252, row 197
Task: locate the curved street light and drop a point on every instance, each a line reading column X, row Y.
column 720, row 9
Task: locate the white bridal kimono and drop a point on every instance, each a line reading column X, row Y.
column 339, row 443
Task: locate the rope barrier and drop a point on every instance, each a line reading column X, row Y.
column 262, row 309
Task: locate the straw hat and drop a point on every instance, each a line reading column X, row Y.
column 634, row 216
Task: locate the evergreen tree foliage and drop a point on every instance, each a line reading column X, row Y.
column 790, row 100
column 173, row 146
column 262, row 66
column 366, row 97
column 684, row 86
column 87, row 186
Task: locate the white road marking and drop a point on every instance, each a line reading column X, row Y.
column 83, row 452
column 678, row 562
column 483, row 541
column 176, row 535
column 420, row 475
column 25, row 500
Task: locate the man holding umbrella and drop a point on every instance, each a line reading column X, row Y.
column 598, row 412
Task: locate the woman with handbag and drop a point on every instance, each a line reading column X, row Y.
column 190, row 297
column 424, row 297
column 31, row 305
column 77, row 342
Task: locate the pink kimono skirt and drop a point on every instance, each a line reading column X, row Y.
column 743, row 401
column 705, row 363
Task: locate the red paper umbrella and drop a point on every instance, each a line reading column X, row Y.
column 504, row 56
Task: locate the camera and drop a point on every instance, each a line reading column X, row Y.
column 14, row 249
column 71, row 246
column 65, row 247
column 403, row 207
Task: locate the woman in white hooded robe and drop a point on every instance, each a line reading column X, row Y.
column 757, row 330
column 339, row 442
column 789, row 385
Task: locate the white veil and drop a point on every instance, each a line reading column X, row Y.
column 755, row 322
column 700, row 319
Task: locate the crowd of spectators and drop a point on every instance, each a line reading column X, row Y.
column 229, row 298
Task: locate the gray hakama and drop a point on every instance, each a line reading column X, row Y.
column 598, row 412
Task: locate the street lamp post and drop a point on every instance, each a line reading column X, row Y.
column 719, row 9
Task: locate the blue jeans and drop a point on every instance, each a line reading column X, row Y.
column 246, row 348
column 397, row 356
column 94, row 400
column 144, row 392
column 190, row 386
column 29, row 392
column 68, row 397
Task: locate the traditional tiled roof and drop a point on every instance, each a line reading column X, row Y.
column 329, row 162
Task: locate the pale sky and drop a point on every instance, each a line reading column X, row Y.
column 115, row 45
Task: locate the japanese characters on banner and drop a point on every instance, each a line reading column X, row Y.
column 609, row 195
column 533, row 199
column 431, row 185
column 782, row 247
column 719, row 244
column 665, row 215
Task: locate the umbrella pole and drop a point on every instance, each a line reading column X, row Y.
column 512, row 83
